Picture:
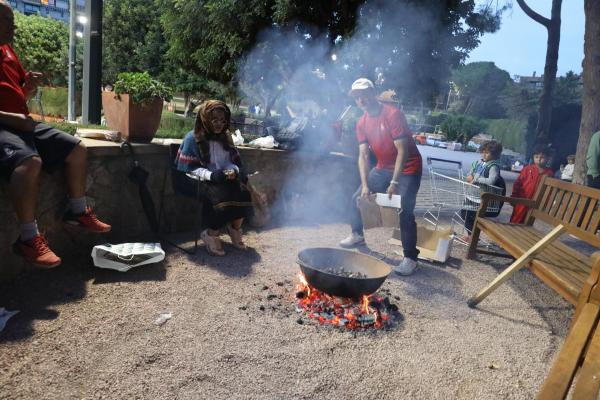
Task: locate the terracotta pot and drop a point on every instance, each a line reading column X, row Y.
column 136, row 122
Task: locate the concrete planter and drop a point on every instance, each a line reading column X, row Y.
column 136, row 122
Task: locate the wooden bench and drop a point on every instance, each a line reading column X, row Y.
column 580, row 353
column 568, row 208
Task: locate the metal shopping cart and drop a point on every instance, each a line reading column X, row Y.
column 451, row 195
column 442, row 188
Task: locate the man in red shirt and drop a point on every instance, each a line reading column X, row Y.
column 27, row 147
column 384, row 129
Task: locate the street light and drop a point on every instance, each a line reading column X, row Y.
column 73, row 35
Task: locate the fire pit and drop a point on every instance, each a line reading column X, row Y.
column 342, row 273
column 336, row 288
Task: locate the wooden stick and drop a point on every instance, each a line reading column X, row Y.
column 517, row 265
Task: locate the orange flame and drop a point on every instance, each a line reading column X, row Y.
column 365, row 304
column 304, row 282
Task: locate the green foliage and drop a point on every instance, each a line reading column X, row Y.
column 42, row 45
column 171, row 122
column 54, row 102
column 435, row 118
column 462, row 128
column 521, row 102
column 171, row 126
column 141, row 87
column 203, row 38
column 568, row 90
column 511, row 133
column 71, row 128
column 481, row 85
column 63, row 126
column 132, row 38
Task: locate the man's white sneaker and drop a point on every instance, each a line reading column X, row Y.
column 406, row 267
column 355, row 239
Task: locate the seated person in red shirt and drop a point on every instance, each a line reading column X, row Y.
column 384, row 129
column 27, row 147
column 527, row 182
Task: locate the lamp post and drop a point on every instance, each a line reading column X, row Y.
column 72, row 58
column 92, row 63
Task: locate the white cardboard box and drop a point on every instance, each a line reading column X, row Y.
column 434, row 245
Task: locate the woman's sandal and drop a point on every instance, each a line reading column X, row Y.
column 236, row 237
column 213, row 244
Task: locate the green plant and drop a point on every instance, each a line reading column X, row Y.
column 141, row 87
column 71, row 128
column 462, row 128
column 511, row 133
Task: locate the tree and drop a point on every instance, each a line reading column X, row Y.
column 552, row 25
column 462, row 128
column 132, row 38
column 481, row 85
column 387, row 37
column 568, row 90
column 42, row 45
column 521, row 102
column 590, row 117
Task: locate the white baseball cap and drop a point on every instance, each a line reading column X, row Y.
column 361, row 84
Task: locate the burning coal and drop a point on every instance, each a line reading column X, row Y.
column 371, row 312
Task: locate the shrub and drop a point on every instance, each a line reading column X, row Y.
column 141, row 87
column 174, row 126
column 460, row 127
column 511, row 133
column 436, row 118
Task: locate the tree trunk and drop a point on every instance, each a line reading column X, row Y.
column 553, row 27
column 545, row 110
column 590, row 115
column 186, row 102
column 269, row 102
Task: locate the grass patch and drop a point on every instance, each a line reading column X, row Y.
column 55, row 102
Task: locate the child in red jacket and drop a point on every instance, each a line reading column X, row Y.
column 527, row 182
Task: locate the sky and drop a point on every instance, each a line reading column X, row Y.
column 519, row 47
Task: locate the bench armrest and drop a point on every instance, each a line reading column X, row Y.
column 487, row 197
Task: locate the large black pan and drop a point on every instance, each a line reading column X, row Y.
column 315, row 261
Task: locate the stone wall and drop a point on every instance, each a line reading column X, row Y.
column 302, row 187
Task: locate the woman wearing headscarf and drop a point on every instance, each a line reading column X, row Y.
column 209, row 156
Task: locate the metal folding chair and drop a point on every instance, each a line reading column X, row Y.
column 175, row 174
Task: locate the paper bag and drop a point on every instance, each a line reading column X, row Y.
column 125, row 256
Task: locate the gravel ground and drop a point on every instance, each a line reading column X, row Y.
column 87, row 333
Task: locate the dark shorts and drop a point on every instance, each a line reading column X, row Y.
column 50, row 144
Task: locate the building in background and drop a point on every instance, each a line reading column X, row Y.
column 56, row 9
column 532, row 82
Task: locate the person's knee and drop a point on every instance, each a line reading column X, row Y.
column 78, row 154
column 29, row 168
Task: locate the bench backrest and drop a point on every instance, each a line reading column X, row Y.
column 577, row 207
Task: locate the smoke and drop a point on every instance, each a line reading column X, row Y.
column 311, row 74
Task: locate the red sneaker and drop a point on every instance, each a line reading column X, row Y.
column 86, row 220
column 36, row 252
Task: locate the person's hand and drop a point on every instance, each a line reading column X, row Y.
column 364, row 192
column 230, row 174
column 32, row 81
column 391, row 190
column 469, row 178
column 218, row 176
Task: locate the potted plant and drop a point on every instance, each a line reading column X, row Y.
column 134, row 107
